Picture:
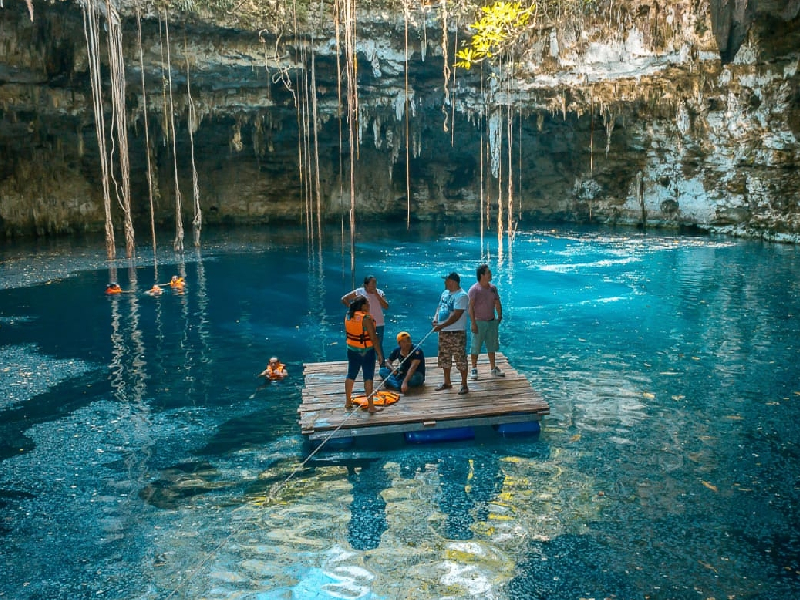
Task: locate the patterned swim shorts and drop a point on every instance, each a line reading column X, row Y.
column 453, row 347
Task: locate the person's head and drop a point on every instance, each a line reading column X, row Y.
column 404, row 340
column 452, row 282
column 273, row 362
column 359, row 304
column 483, row 271
column 370, row 284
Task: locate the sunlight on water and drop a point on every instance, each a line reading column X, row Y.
column 141, row 457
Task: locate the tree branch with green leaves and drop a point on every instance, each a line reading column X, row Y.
column 495, row 33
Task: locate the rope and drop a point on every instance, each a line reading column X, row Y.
column 277, row 488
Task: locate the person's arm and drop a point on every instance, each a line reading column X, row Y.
column 382, row 299
column 411, row 370
column 373, row 336
column 473, row 324
column 349, row 297
column 454, row 316
column 498, row 306
column 389, row 362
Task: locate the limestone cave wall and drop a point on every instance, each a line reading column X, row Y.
column 638, row 112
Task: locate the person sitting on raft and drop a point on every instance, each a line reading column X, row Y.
column 113, row 288
column 410, row 371
column 275, row 370
column 362, row 344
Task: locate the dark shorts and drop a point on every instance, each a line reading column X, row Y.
column 364, row 362
column 453, row 347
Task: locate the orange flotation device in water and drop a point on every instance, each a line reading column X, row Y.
column 275, row 372
column 381, row 398
column 176, row 282
column 113, row 288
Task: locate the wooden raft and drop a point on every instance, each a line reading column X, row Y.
column 490, row 401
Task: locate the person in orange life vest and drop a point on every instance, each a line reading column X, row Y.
column 275, row 370
column 362, row 344
column 410, row 371
column 177, row 283
column 377, row 304
column 113, row 288
column 155, row 291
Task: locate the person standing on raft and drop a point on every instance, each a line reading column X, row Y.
column 362, row 344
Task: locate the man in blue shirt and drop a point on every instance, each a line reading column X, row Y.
column 451, row 323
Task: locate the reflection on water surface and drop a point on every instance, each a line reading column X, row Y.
column 139, row 458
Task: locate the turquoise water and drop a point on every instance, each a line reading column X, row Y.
column 140, row 459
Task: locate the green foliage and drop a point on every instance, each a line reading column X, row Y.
column 499, row 27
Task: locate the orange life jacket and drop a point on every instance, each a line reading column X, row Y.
column 275, row 372
column 381, row 398
column 357, row 336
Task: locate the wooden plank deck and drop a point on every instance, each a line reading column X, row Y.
column 490, row 401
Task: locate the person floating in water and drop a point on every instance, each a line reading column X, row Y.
column 177, row 283
column 155, row 291
column 275, row 370
column 113, row 288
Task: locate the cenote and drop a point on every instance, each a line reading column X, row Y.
column 138, row 455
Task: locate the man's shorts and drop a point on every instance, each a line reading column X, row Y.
column 453, row 347
column 487, row 333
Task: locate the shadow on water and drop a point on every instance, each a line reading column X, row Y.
column 62, row 400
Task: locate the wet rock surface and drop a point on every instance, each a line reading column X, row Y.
column 672, row 114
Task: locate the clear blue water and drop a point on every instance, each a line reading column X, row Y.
column 139, row 458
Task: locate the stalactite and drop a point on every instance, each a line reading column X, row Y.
column 178, row 242
column 495, row 134
column 120, row 121
column 147, row 146
column 193, row 125
column 91, row 30
column 609, row 119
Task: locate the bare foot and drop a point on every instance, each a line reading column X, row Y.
column 375, row 409
column 348, row 406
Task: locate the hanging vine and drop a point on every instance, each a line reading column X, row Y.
column 197, row 220
column 119, row 123
column 91, row 30
column 178, row 242
column 147, row 145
